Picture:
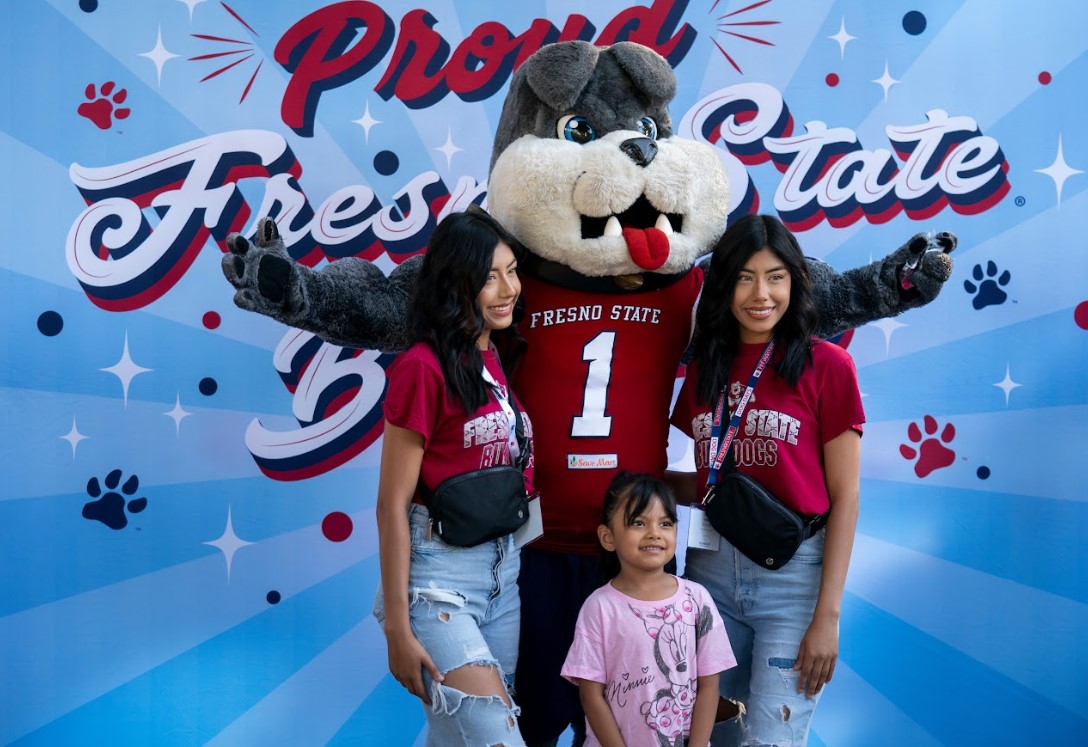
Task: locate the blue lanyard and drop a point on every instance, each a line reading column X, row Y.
column 718, row 454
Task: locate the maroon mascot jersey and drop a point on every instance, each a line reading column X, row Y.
column 597, row 380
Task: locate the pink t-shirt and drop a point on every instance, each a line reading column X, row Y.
column 454, row 441
column 784, row 429
column 648, row 655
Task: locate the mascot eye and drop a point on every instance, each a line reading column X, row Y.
column 575, row 129
column 647, row 127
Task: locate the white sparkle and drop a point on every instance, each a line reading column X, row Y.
column 73, row 437
column 366, row 122
column 887, row 326
column 126, row 370
column 1007, row 384
column 842, row 38
column 886, row 81
column 1059, row 171
column 228, row 543
column 159, row 55
column 190, row 4
column 177, row 414
column 448, row 149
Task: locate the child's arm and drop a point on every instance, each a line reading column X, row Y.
column 599, row 714
column 702, row 715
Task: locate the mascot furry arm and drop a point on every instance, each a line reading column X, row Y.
column 587, row 174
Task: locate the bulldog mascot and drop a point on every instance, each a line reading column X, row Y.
column 614, row 212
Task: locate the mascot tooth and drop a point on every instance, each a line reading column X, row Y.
column 614, row 212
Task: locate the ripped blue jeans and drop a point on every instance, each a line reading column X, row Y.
column 464, row 608
column 766, row 614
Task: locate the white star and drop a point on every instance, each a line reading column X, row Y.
column 448, row 149
column 126, row 370
column 1007, row 384
column 366, row 122
column 177, row 414
column 887, row 326
column 842, row 38
column 228, row 543
column 191, row 4
column 159, row 55
column 73, row 437
column 1059, row 171
column 886, row 81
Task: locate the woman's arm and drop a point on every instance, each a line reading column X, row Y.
column 599, row 714
column 684, row 486
column 402, row 455
column 820, row 647
column 704, row 712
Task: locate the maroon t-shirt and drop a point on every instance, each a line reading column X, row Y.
column 783, row 430
column 454, row 441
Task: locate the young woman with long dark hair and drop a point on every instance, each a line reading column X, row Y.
column 800, row 437
column 451, row 614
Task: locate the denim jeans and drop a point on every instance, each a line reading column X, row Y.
column 766, row 614
column 464, row 609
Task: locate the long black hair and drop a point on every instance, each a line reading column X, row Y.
column 717, row 335
column 444, row 312
column 634, row 492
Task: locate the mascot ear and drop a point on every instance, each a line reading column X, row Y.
column 649, row 71
column 557, row 73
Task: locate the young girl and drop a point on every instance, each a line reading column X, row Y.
column 648, row 646
column 451, row 614
column 800, row 438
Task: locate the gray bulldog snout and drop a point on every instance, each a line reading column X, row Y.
column 641, row 150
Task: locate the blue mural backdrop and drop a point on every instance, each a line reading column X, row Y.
column 188, row 542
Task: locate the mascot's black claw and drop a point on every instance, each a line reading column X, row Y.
column 947, row 240
column 267, row 231
column 239, row 267
column 273, row 274
column 919, row 244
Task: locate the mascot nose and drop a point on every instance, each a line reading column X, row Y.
column 641, row 150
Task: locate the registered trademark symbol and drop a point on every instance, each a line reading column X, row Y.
column 1020, row 202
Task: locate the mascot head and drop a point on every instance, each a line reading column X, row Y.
column 585, row 170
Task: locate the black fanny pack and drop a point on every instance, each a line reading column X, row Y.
column 485, row 504
column 754, row 521
column 478, row 506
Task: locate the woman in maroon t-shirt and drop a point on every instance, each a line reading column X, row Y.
column 451, row 614
column 800, row 437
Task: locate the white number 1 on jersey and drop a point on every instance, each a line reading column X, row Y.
column 593, row 422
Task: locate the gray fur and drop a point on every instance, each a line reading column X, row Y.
column 351, row 302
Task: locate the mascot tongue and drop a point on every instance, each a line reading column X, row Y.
column 649, row 247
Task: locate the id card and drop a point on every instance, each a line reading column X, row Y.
column 700, row 534
column 534, row 527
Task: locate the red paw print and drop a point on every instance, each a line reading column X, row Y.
column 101, row 109
column 934, row 454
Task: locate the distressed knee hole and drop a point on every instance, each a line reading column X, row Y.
column 444, row 616
column 785, row 712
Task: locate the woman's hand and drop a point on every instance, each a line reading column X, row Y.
column 817, row 655
column 407, row 660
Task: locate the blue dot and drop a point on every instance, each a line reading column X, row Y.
column 914, row 22
column 88, row 6
column 50, row 323
column 208, row 386
column 386, row 163
column 983, row 473
column 273, row 597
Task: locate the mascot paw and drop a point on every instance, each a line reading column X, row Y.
column 926, row 264
column 261, row 270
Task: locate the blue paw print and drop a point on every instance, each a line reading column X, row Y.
column 110, row 507
column 987, row 291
